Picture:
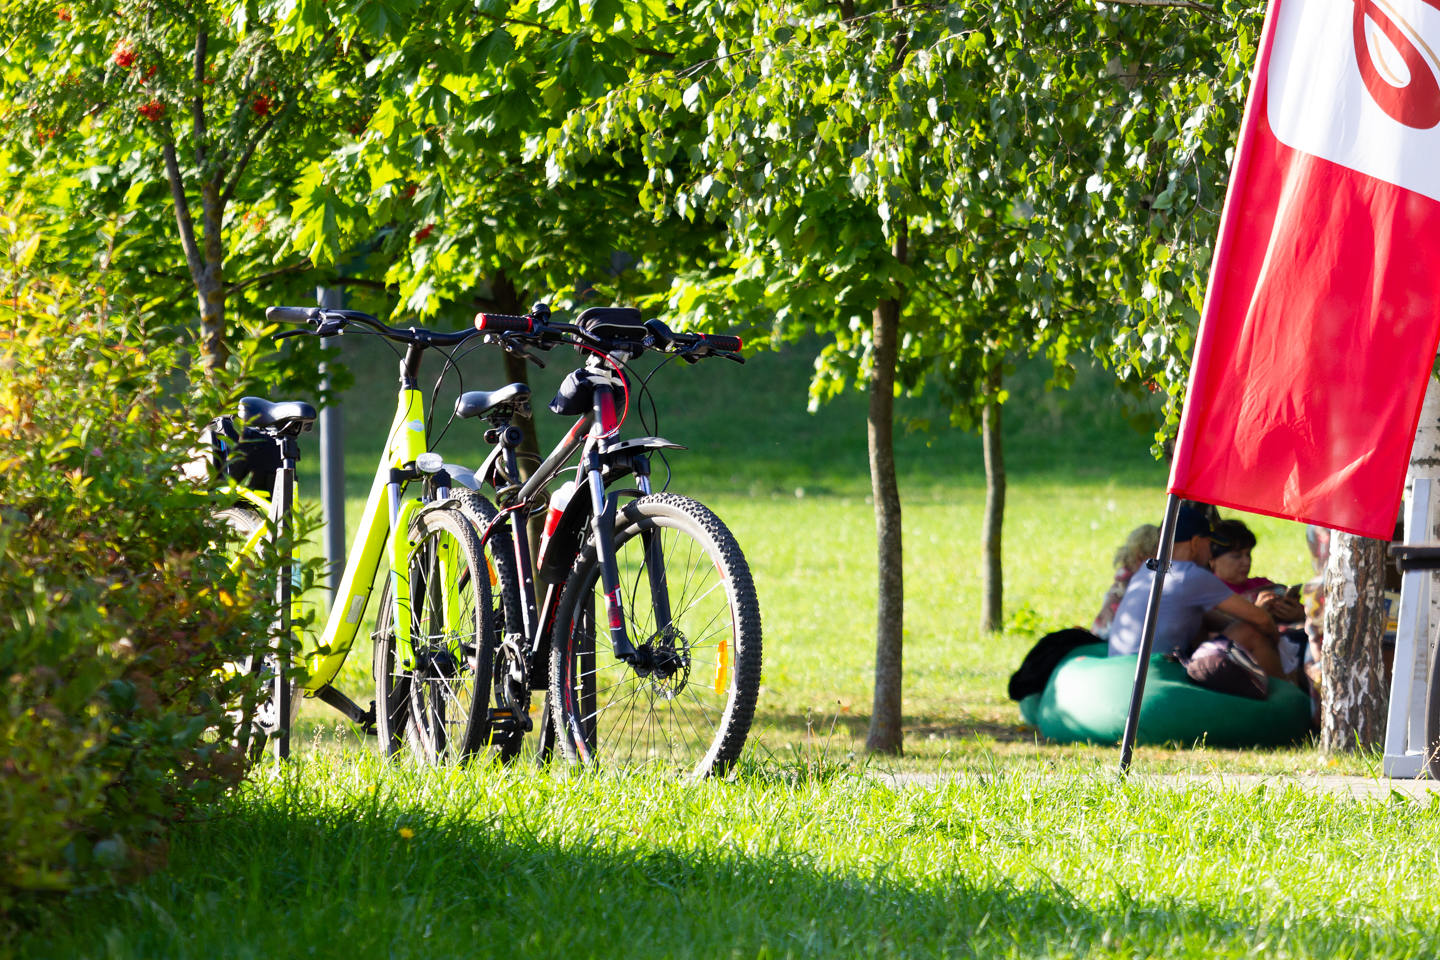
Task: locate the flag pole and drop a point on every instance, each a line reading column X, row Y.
column 1161, row 565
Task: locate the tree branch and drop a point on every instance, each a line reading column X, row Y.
column 238, row 170
column 182, row 210
column 267, row 276
column 516, row 21
column 197, row 103
column 1179, row 4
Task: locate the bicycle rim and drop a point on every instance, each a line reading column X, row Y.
column 509, row 690
column 452, row 636
column 688, row 705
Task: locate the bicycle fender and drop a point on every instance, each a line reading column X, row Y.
column 462, row 476
column 414, row 524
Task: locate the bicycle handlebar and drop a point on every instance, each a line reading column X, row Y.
column 504, row 323
column 330, row 322
column 536, row 328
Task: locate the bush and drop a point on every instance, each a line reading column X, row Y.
column 116, row 613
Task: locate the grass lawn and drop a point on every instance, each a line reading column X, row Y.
column 342, row 857
column 1026, row 850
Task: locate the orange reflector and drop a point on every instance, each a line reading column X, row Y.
column 722, row 667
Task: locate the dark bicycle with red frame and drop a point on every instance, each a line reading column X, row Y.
column 640, row 600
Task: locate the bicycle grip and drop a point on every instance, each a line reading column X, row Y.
column 504, row 323
column 720, row 341
column 292, row 314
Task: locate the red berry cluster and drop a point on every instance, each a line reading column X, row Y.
column 153, row 110
column 124, row 54
column 261, row 105
column 424, row 232
column 63, row 14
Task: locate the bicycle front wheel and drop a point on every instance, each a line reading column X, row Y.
column 443, row 682
column 686, row 700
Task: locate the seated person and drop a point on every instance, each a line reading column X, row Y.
column 1142, row 544
column 1190, row 592
column 1230, row 560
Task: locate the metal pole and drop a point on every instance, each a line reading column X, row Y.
column 1161, row 566
column 332, row 459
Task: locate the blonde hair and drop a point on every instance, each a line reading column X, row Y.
column 1142, row 544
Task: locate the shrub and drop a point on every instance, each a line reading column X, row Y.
column 117, row 614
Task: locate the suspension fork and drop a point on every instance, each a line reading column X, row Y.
column 602, row 520
column 602, row 525
column 654, row 556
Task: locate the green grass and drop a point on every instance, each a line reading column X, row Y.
column 1024, row 849
column 344, row 857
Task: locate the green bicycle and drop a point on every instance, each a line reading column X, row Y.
column 437, row 628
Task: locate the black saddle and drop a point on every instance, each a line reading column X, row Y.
column 286, row 417
column 477, row 403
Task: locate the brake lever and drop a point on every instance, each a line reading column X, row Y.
column 519, row 350
column 291, row 333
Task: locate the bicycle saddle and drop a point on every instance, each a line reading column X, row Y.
column 477, row 403
column 293, row 415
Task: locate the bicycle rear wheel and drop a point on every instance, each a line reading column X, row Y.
column 445, row 683
column 510, row 690
column 687, row 701
column 392, row 686
column 273, row 713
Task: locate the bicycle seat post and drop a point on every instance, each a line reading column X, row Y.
column 282, row 506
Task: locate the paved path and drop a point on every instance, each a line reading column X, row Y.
column 1358, row 787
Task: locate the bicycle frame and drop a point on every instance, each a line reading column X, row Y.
column 387, row 510
column 601, row 461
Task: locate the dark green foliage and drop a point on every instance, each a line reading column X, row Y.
column 117, row 614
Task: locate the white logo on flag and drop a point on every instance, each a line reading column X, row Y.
column 1357, row 82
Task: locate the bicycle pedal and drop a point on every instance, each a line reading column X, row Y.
column 503, row 718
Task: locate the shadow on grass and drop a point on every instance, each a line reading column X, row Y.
column 849, row 726
column 390, row 881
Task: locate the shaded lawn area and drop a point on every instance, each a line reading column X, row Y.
column 344, row 858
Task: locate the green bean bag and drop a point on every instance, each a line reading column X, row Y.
column 1089, row 694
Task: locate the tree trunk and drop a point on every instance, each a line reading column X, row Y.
column 211, row 282
column 1352, row 695
column 506, row 299
column 886, row 735
column 992, row 612
column 211, row 293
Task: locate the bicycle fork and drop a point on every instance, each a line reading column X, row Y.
column 604, row 508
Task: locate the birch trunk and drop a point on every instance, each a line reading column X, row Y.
column 1353, row 690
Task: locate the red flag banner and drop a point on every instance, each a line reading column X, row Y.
column 1323, row 311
